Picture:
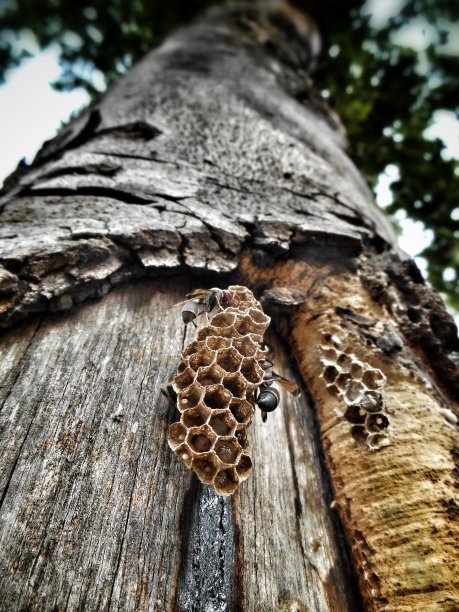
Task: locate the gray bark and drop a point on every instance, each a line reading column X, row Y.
column 213, row 147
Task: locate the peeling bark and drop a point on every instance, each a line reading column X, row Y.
column 214, row 158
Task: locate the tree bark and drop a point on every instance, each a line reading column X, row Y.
column 214, row 161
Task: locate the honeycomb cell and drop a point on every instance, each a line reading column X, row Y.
column 201, row 439
column 376, row 422
column 184, row 454
column 182, row 367
column 223, row 422
column 244, row 467
column 183, row 380
column 246, row 346
column 356, row 370
column 201, row 359
column 224, row 332
column 251, row 371
column 243, row 439
column 190, row 397
column 373, row 379
column 216, row 342
column 211, row 375
column 354, row 392
column 377, row 440
column 195, row 417
column 259, row 317
column 205, row 466
column 372, row 401
column 344, row 361
column 229, row 359
column 192, row 348
column 223, row 319
column 216, row 397
column 242, row 412
column 177, row 435
column 236, row 384
column 226, row 481
column 359, row 434
column 330, row 373
column 227, row 450
column 244, row 325
column 342, row 381
column 329, row 354
column 355, row 415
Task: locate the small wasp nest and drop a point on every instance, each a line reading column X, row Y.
column 215, row 383
column 361, row 388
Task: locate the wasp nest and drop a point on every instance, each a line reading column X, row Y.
column 361, row 388
column 215, row 382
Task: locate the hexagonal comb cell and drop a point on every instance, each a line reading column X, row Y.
column 373, row 379
column 216, row 342
column 211, row 375
column 330, row 374
column 259, row 317
column 184, row 454
column 195, row 417
column 229, row 359
column 246, row 346
column 377, row 440
column 251, row 371
column 244, row 325
column 344, row 361
column 372, row 401
column 201, row 439
column 354, row 392
column 242, row 412
column 192, row 348
column 342, row 381
column 177, row 435
column 226, row 481
column 206, row 467
column 224, row 332
column 190, row 397
column 359, row 434
column 204, row 358
column 183, row 380
column 356, row 370
column 236, row 384
column 216, row 397
column 329, row 354
column 227, row 450
column 244, row 467
column 223, row 319
column 223, row 423
column 376, row 422
column 242, row 438
column 355, row 415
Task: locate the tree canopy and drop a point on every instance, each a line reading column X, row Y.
column 386, row 93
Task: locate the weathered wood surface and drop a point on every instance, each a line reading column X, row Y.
column 97, row 514
column 200, row 150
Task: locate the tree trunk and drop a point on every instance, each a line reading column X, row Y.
column 213, row 161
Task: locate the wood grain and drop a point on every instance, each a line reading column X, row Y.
column 97, row 513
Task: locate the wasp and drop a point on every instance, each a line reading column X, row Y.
column 266, row 396
column 203, row 301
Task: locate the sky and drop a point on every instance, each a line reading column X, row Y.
column 31, row 111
